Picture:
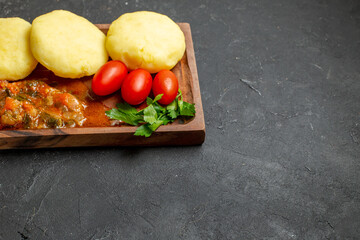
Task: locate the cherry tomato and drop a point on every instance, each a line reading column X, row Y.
column 136, row 86
column 165, row 82
column 109, row 78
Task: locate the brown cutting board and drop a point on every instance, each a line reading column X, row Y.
column 191, row 132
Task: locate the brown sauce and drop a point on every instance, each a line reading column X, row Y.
column 95, row 110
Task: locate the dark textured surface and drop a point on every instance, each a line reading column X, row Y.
column 280, row 82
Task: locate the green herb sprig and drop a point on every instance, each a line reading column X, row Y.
column 154, row 115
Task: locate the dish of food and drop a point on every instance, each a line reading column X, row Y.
column 33, row 104
column 44, row 110
column 41, row 104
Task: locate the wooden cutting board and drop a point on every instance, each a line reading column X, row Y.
column 191, row 132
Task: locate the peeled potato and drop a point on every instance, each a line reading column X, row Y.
column 147, row 40
column 67, row 44
column 16, row 59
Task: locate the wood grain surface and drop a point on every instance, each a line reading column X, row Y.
column 191, row 132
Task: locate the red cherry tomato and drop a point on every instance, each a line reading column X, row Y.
column 136, row 86
column 109, row 78
column 165, row 82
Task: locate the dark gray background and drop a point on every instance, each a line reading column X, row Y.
column 280, row 160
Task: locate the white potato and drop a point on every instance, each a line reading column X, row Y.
column 67, row 44
column 147, row 40
column 16, row 59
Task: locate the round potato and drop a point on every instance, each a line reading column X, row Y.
column 147, row 40
column 67, row 44
column 16, row 59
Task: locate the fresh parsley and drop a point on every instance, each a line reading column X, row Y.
column 154, row 115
